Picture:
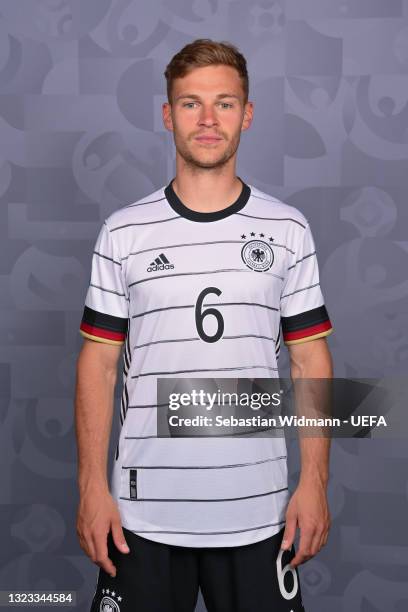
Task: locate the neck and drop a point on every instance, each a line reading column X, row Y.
column 207, row 190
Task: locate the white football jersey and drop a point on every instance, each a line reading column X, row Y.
column 157, row 267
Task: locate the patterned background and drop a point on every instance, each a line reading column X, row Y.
column 81, row 135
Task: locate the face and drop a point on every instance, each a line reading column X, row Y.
column 207, row 115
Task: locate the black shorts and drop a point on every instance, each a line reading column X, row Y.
column 156, row 577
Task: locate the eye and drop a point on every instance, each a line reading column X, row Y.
column 226, row 105
column 189, row 104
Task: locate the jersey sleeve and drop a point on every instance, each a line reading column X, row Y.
column 304, row 315
column 105, row 315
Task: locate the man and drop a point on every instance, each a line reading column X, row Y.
column 195, row 280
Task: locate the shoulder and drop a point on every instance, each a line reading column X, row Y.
column 269, row 206
column 147, row 209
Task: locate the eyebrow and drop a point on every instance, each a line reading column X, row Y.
column 196, row 97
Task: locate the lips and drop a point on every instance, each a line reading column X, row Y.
column 208, row 138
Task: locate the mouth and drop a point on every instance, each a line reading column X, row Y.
column 208, row 139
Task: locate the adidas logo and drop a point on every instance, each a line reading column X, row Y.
column 160, row 263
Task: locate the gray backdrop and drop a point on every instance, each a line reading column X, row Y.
column 81, row 135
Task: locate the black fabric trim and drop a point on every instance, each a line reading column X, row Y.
column 195, row 215
column 133, row 484
column 305, row 319
column 104, row 321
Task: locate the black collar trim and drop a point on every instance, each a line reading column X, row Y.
column 195, row 215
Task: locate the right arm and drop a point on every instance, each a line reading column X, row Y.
column 98, row 513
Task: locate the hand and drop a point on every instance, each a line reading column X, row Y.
column 308, row 509
column 98, row 514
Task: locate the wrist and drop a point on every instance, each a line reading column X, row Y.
column 314, row 477
column 87, row 482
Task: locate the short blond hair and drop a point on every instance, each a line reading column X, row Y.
column 206, row 52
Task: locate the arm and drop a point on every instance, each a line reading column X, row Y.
column 308, row 507
column 97, row 512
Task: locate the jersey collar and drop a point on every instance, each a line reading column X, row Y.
column 195, row 215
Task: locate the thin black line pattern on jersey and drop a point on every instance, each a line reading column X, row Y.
column 278, row 343
column 188, row 244
column 118, row 227
column 124, row 402
column 205, row 499
column 272, row 200
column 107, row 290
column 248, row 367
column 258, row 430
column 201, row 467
column 147, row 406
column 144, row 203
column 272, row 218
column 302, row 259
column 197, row 338
column 154, row 310
column 196, row 273
column 299, row 290
column 106, row 257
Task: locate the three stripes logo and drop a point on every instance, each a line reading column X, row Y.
column 160, row 263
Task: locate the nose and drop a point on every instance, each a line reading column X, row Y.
column 208, row 115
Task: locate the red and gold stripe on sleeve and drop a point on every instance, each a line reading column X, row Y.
column 306, row 326
column 103, row 327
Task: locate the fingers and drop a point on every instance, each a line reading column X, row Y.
column 101, row 554
column 289, row 533
column 304, row 550
column 86, row 543
column 118, row 537
column 95, row 546
column 325, row 536
column 316, row 543
column 312, row 539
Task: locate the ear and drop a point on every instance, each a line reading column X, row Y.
column 248, row 116
column 167, row 118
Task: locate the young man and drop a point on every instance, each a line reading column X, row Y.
column 195, row 280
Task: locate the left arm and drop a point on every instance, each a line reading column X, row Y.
column 308, row 506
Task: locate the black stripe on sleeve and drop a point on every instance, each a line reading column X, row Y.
column 103, row 326
column 314, row 322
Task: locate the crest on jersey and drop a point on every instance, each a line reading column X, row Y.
column 109, row 603
column 257, row 255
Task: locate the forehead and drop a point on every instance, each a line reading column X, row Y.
column 209, row 80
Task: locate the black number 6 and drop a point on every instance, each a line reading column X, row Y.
column 200, row 314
